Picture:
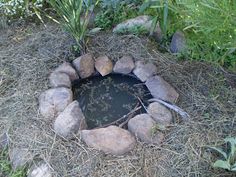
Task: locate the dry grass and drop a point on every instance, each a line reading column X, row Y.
column 28, row 54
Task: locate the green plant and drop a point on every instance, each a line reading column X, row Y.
column 114, row 12
column 70, row 13
column 6, row 169
column 229, row 162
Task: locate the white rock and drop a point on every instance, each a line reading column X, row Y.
column 57, row 79
column 110, row 140
column 84, row 65
column 103, row 65
column 41, row 170
column 159, row 113
column 143, row 126
column 125, row 65
column 144, row 70
column 70, row 121
column 54, row 101
column 67, row 69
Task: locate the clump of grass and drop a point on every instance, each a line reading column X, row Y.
column 6, row 168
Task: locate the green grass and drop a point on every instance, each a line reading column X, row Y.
column 6, row 169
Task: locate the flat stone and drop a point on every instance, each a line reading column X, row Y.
column 57, row 79
column 19, row 157
column 4, row 141
column 143, row 126
column 40, row 170
column 143, row 21
column 70, row 121
column 54, row 101
column 84, row 65
column 103, row 65
column 177, row 44
column 67, row 69
column 125, row 65
column 144, row 70
column 159, row 88
column 110, row 140
column 159, row 113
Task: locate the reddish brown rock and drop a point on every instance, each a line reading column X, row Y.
column 57, row 79
column 84, row 65
column 103, row 65
column 143, row 127
column 159, row 113
column 110, row 140
column 144, row 70
column 67, row 69
column 125, row 65
column 54, row 101
column 159, row 88
column 70, row 121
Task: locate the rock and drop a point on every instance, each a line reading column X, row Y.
column 70, row 121
column 40, row 170
column 54, row 101
column 103, row 65
column 57, row 79
column 144, row 22
column 84, row 65
column 4, row 141
column 144, row 71
column 177, row 44
column 159, row 113
column 110, row 140
column 19, row 157
column 159, row 88
column 157, row 34
column 125, row 65
column 143, row 126
column 67, row 69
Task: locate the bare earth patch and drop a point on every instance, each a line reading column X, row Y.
column 28, row 54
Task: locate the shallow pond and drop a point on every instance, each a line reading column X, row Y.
column 104, row 100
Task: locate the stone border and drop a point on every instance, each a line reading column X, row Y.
column 57, row 104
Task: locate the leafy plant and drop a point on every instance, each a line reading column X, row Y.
column 70, row 13
column 229, row 162
column 114, row 12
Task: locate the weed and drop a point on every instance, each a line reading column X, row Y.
column 229, row 162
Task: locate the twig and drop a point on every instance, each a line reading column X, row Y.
column 185, row 116
column 142, row 104
column 123, row 117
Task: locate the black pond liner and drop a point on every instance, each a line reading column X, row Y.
column 105, row 100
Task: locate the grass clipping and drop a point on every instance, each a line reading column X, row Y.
column 28, row 54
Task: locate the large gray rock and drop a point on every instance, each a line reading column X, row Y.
column 103, row 65
column 67, row 69
column 159, row 88
column 125, row 65
column 110, row 140
column 19, row 157
column 57, row 79
column 178, row 42
column 159, row 113
column 144, row 70
column 54, row 101
column 143, row 127
column 40, row 170
column 70, row 121
column 144, row 22
column 84, row 65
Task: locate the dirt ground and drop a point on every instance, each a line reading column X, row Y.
column 29, row 53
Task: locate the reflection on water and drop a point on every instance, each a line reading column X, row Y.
column 105, row 99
